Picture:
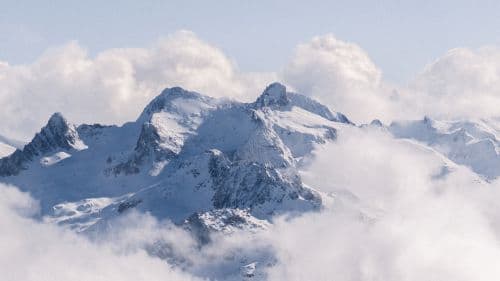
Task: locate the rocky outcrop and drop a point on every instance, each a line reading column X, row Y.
column 58, row 134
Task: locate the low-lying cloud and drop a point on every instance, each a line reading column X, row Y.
column 392, row 218
column 37, row 251
column 391, row 214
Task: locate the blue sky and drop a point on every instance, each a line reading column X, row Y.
column 400, row 36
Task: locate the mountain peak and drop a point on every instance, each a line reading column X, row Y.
column 58, row 133
column 163, row 99
column 58, row 121
column 274, row 94
column 377, row 123
column 166, row 100
column 175, row 92
column 275, row 87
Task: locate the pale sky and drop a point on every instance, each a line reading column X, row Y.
column 401, row 37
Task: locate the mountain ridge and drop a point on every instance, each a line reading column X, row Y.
column 186, row 153
column 473, row 144
column 213, row 166
column 189, row 155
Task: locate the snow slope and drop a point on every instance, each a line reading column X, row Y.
column 474, row 144
column 186, row 154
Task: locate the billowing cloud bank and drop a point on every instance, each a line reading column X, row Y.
column 339, row 74
column 37, row 251
column 463, row 83
column 394, row 215
column 113, row 86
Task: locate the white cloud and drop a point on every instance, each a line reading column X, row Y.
column 461, row 83
column 401, row 225
column 37, row 251
column 329, row 61
column 413, row 227
column 114, row 86
column 341, row 75
column 127, row 248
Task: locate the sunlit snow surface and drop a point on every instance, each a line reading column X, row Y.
column 474, row 144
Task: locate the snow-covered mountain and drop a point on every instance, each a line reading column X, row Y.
column 216, row 166
column 184, row 157
column 474, row 144
column 188, row 157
